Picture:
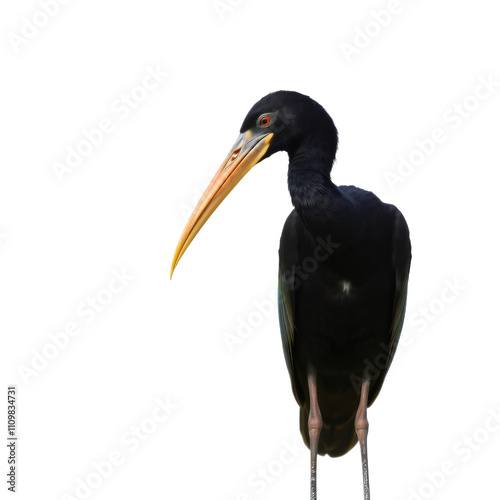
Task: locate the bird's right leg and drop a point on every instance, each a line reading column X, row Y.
column 315, row 423
column 361, row 426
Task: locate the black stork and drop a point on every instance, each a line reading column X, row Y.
column 344, row 261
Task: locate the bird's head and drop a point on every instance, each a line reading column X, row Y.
column 281, row 121
column 295, row 120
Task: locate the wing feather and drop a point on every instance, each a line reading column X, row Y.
column 401, row 258
column 286, row 301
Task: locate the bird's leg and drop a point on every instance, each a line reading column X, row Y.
column 315, row 423
column 361, row 426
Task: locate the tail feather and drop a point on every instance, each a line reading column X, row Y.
column 334, row 440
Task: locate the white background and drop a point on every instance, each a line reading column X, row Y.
column 125, row 205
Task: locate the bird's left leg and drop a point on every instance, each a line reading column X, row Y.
column 361, row 426
column 315, row 423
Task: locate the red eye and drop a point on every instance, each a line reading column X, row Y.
column 265, row 121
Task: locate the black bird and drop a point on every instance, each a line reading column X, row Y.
column 344, row 261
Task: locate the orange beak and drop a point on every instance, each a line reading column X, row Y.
column 247, row 152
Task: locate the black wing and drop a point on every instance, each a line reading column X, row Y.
column 401, row 258
column 286, row 299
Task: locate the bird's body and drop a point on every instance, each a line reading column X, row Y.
column 343, row 272
column 342, row 301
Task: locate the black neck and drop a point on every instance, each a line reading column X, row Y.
column 324, row 210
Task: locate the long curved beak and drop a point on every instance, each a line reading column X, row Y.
column 246, row 152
